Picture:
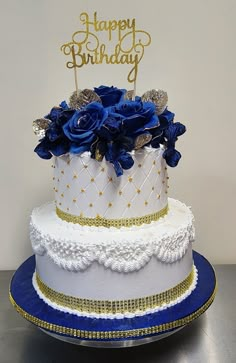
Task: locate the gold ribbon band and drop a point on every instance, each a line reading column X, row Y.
column 116, row 306
column 113, row 334
column 105, row 222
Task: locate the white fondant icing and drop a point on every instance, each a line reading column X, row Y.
column 100, row 283
column 117, row 315
column 84, row 185
column 75, row 248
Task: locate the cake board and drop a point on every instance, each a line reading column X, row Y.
column 111, row 333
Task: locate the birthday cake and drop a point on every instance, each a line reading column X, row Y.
column 113, row 253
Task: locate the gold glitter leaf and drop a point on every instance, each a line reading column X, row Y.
column 129, row 95
column 40, row 126
column 158, row 97
column 142, row 140
column 84, row 97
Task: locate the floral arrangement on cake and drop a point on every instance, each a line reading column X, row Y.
column 111, row 123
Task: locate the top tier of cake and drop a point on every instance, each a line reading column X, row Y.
column 88, row 190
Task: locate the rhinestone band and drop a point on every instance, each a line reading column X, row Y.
column 116, row 306
column 118, row 223
column 113, row 334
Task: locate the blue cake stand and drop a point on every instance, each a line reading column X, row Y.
column 111, row 333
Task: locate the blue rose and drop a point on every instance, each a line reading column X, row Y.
column 82, row 127
column 55, row 142
column 109, row 95
column 138, row 116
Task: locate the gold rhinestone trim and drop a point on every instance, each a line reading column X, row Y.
column 118, row 223
column 116, row 306
column 114, row 334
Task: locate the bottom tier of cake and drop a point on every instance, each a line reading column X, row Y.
column 97, row 285
column 113, row 273
column 111, row 332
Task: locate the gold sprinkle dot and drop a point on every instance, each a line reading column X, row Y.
column 52, row 166
column 120, row 192
column 138, row 191
column 67, row 209
column 167, row 177
column 146, row 203
column 68, row 162
column 62, row 195
column 163, row 181
column 90, row 204
column 75, row 176
column 100, row 193
column 103, row 169
column 92, row 179
column 166, row 192
column 130, row 179
column 53, row 178
column 158, row 196
column 154, row 162
column 58, row 180
column 56, row 190
column 167, row 186
column 68, row 186
column 165, row 167
column 59, row 203
column 82, row 190
column 153, row 188
column 159, row 172
column 98, row 216
column 85, row 166
column 128, row 205
column 74, row 200
column 62, row 171
column 110, row 179
column 109, row 204
column 139, row 165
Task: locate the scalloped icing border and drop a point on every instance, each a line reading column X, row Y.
column 125, row 250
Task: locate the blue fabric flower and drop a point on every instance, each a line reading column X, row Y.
column 158, row 136
column 109, row 95
column 111, row 127
column 81, row 128
column 55, row 142
column 171, row 134
column 119, row 157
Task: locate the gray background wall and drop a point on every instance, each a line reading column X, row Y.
column 192, row 56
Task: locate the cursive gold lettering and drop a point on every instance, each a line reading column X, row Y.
column 87, row 48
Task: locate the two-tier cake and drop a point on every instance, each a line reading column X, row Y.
column 113, row 254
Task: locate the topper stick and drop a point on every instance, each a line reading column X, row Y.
column 134, row 91
column 75, row 70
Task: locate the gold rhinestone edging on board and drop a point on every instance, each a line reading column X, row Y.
column 116, row 306
column 114, row 334
column 105, row 222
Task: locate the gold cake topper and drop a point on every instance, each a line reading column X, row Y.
column 90, row 45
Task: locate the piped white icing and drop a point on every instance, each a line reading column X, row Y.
column 117, row 315
column 75, row 248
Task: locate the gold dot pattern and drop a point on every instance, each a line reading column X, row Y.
column 134, row 190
